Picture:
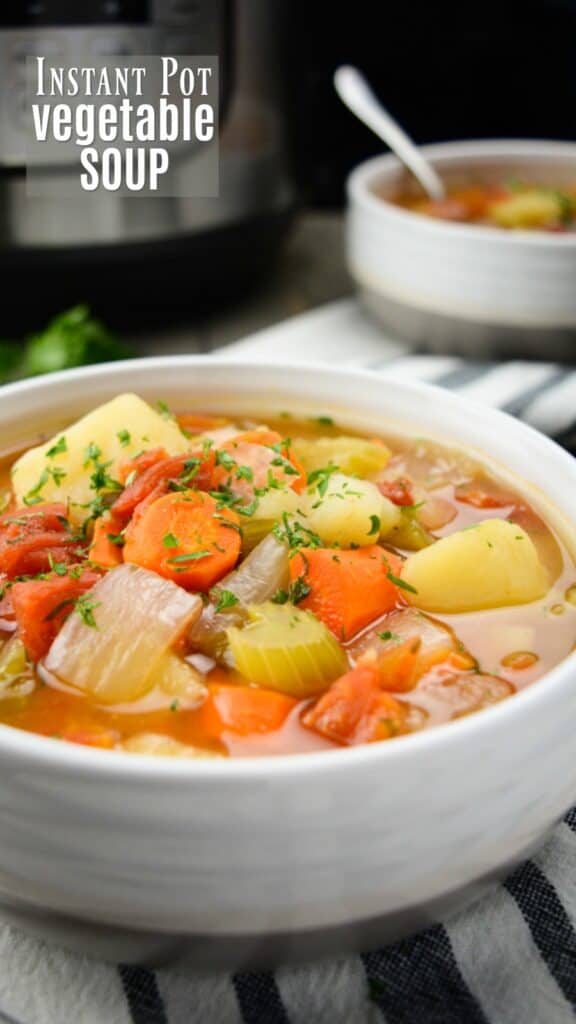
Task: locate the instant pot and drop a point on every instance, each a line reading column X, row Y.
column 140, row 258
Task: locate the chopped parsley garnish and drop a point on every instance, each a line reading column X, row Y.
column 194, row 556
column 298, row 590
column 323, row 421
column 33, row 496
column 98, row 506
column 101, row 480
column 245, row 473
column 117, row 538
column 223, row 458
column 170, row 541
column 320, row 478
column 57, row 449
column 400, row 583
column 124, row 437
column 164, row 410
column 85, row 605
column 227, row 499
column 249, row 509
column 388, row 634
column 175, row 704
column 374, row 526
column 227, row 522
column 60, row 568
column 92, row 453
column 58, row 474
column 190, row 470
column 297, row 536
column 225, row 599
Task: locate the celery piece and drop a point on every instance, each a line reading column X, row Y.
column 16, row 679
column 254, row 531
column 409, row 534
column 286, row 649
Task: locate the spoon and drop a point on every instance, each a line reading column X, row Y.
column 356, row 94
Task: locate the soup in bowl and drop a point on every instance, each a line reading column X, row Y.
column 372, row 714
column 196, row 585
column 491, row 269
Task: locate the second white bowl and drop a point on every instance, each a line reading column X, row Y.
column 466, row 287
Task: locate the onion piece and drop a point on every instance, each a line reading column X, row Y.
column 177, row 678
column 138, row 617
column 437, row 513
column 261, row 574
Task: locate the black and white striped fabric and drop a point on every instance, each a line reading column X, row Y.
column 511, row 959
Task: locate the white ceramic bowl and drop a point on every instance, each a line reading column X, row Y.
column 255, row 860
column 465, row 287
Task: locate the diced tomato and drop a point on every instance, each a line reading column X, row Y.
column 248, row 462
column 397, row 666
column 399, row 491
column 243, row 710
column 481, row 499
column 31, row 538
column 141, row 462
column 356, row 710
column 195, row 469
column 40, row 607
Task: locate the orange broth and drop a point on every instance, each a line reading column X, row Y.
column 545, row 629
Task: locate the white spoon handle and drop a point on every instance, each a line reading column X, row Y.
column 356, row 94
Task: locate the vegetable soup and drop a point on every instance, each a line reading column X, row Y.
column 206, row 586
column 510, row 205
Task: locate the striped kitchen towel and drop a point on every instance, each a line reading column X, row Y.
column 511, row 959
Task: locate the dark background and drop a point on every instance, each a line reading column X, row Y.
column 446, row 69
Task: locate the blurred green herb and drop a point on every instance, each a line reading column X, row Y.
column 74, row 338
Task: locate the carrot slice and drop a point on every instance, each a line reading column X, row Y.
column 243, row 710
column 103, row 551
column 348, row 589
column 185, row 537
column 195, row 470
column 40, row 607
column 356, row 710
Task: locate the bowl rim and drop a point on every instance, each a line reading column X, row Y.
column 361, row 179
column 57, row 754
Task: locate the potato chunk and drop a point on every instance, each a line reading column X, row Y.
column 486, row 566
column 530, row 209
column 62, row 469
column 348, row 511
column 353, row 455
column 157, row 745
